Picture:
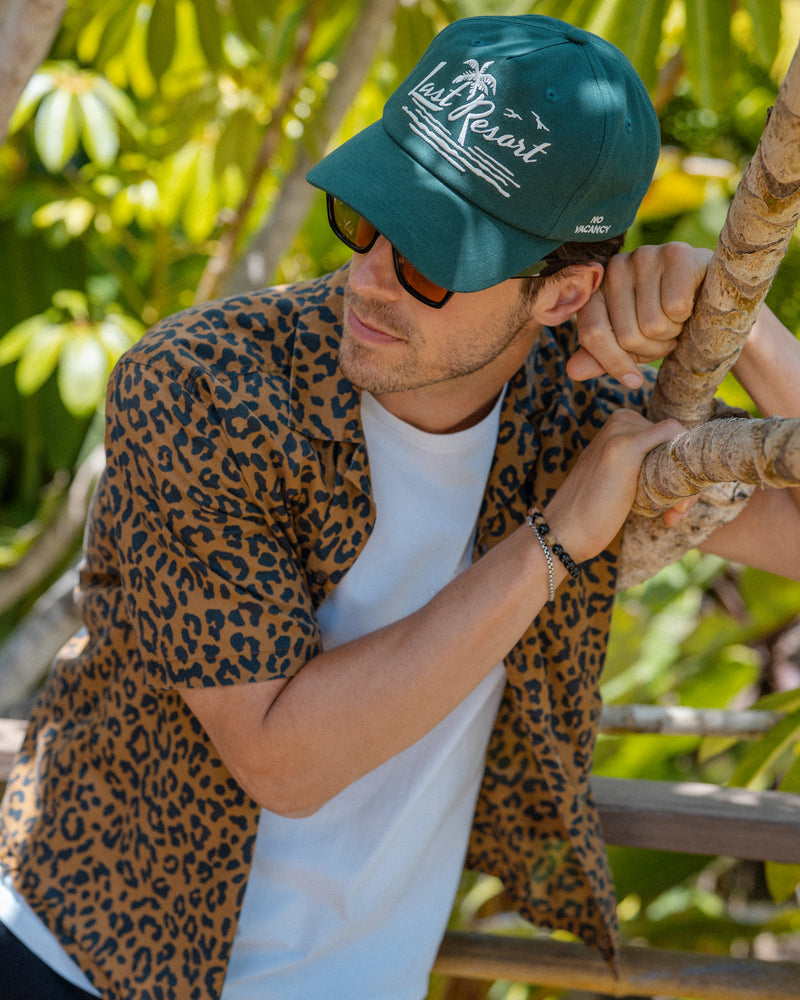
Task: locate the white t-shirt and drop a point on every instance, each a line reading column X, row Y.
column 351, row 903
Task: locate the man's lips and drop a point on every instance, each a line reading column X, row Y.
column 367, row 333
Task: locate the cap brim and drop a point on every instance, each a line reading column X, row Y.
column 448, row 239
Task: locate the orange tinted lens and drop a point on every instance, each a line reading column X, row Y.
column 365, row 232
column 427, row 289
column 354, row 227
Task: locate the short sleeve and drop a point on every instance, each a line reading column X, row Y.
column 213, row 586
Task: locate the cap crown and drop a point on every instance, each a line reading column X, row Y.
column 539, row 124
column 512, row 135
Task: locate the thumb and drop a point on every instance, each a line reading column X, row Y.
column 582, row 366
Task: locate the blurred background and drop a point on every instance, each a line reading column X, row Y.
column 156, row 158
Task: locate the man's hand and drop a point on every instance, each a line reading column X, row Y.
column 638, row 311
column 592, row 503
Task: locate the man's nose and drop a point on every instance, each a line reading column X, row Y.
column 372, row 274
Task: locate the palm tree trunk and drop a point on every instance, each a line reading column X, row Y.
column 753, row 242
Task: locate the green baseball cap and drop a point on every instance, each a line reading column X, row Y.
column 511, row 136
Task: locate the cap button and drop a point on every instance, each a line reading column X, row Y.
column 575, row 35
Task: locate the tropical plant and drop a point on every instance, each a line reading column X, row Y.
column 156, row 157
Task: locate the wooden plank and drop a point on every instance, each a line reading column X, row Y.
column 12, row 732
column 698, row 818
column 641, row 971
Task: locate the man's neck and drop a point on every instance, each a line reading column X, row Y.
column 454, row 405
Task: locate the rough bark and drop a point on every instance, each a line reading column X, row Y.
column 760, row 223
column 27, row 28
column 761, row 220
column 755, row 452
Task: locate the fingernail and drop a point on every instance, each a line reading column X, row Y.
column 632, row 380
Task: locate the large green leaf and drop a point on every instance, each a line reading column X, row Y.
column 56, row 129
column 755, row 768
column 117, row 333
column 638, row 36
column 99, row 129
column 766, row 18
column 122, row 15
column 238, row 143
column 707, row 45
column 82, row 372
column 14, row 344
column 40, row 358
column 123, row 107
column 209, row 30
column 36, row 88
column 783, row 879
column 249, row 14
column 200, row 211
column 577, row 12
column 161, row 37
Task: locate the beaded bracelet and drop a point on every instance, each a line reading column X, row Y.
column 536, row 520
column 551, row 573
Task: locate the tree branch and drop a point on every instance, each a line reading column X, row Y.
column 760, row 222
column 753, row 242
column 57, row 538
column 735, row 449
column 256, row 267
column 27, row 28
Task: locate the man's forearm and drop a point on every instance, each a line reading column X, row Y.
column 769, row 369
column 293, row 744
column 353, row 707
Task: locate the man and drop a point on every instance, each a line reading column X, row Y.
column 349, row 571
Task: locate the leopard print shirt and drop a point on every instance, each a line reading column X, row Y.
column 235, row 497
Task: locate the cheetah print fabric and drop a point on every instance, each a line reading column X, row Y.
column 235, row 497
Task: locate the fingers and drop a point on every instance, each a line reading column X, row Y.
column 682, row 273
column 643, row 435
column 677, row 513
column 638, row 312
column 592, row 503
column 605, row 345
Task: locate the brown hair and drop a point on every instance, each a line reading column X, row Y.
column 574, row 253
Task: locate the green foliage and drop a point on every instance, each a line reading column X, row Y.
column 81, row 336
column 706, row 33
column 74, row 107
column 156, row 129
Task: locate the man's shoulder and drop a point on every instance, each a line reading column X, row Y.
column 242, row 334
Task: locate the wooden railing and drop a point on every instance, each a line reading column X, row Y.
column 688, row 817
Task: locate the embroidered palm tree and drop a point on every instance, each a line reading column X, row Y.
column 476, row 78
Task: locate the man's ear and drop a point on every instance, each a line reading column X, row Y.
column 560, row 299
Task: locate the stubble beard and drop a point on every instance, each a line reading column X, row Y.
column 367, row 371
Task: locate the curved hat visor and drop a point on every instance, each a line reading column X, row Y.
column 448, row 239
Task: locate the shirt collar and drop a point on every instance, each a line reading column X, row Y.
column 326, row 405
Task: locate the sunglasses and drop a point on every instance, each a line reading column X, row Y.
column 360, row 235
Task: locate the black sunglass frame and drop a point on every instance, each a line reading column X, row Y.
column 541, row 269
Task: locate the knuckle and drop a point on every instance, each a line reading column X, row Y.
column 593, row 334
